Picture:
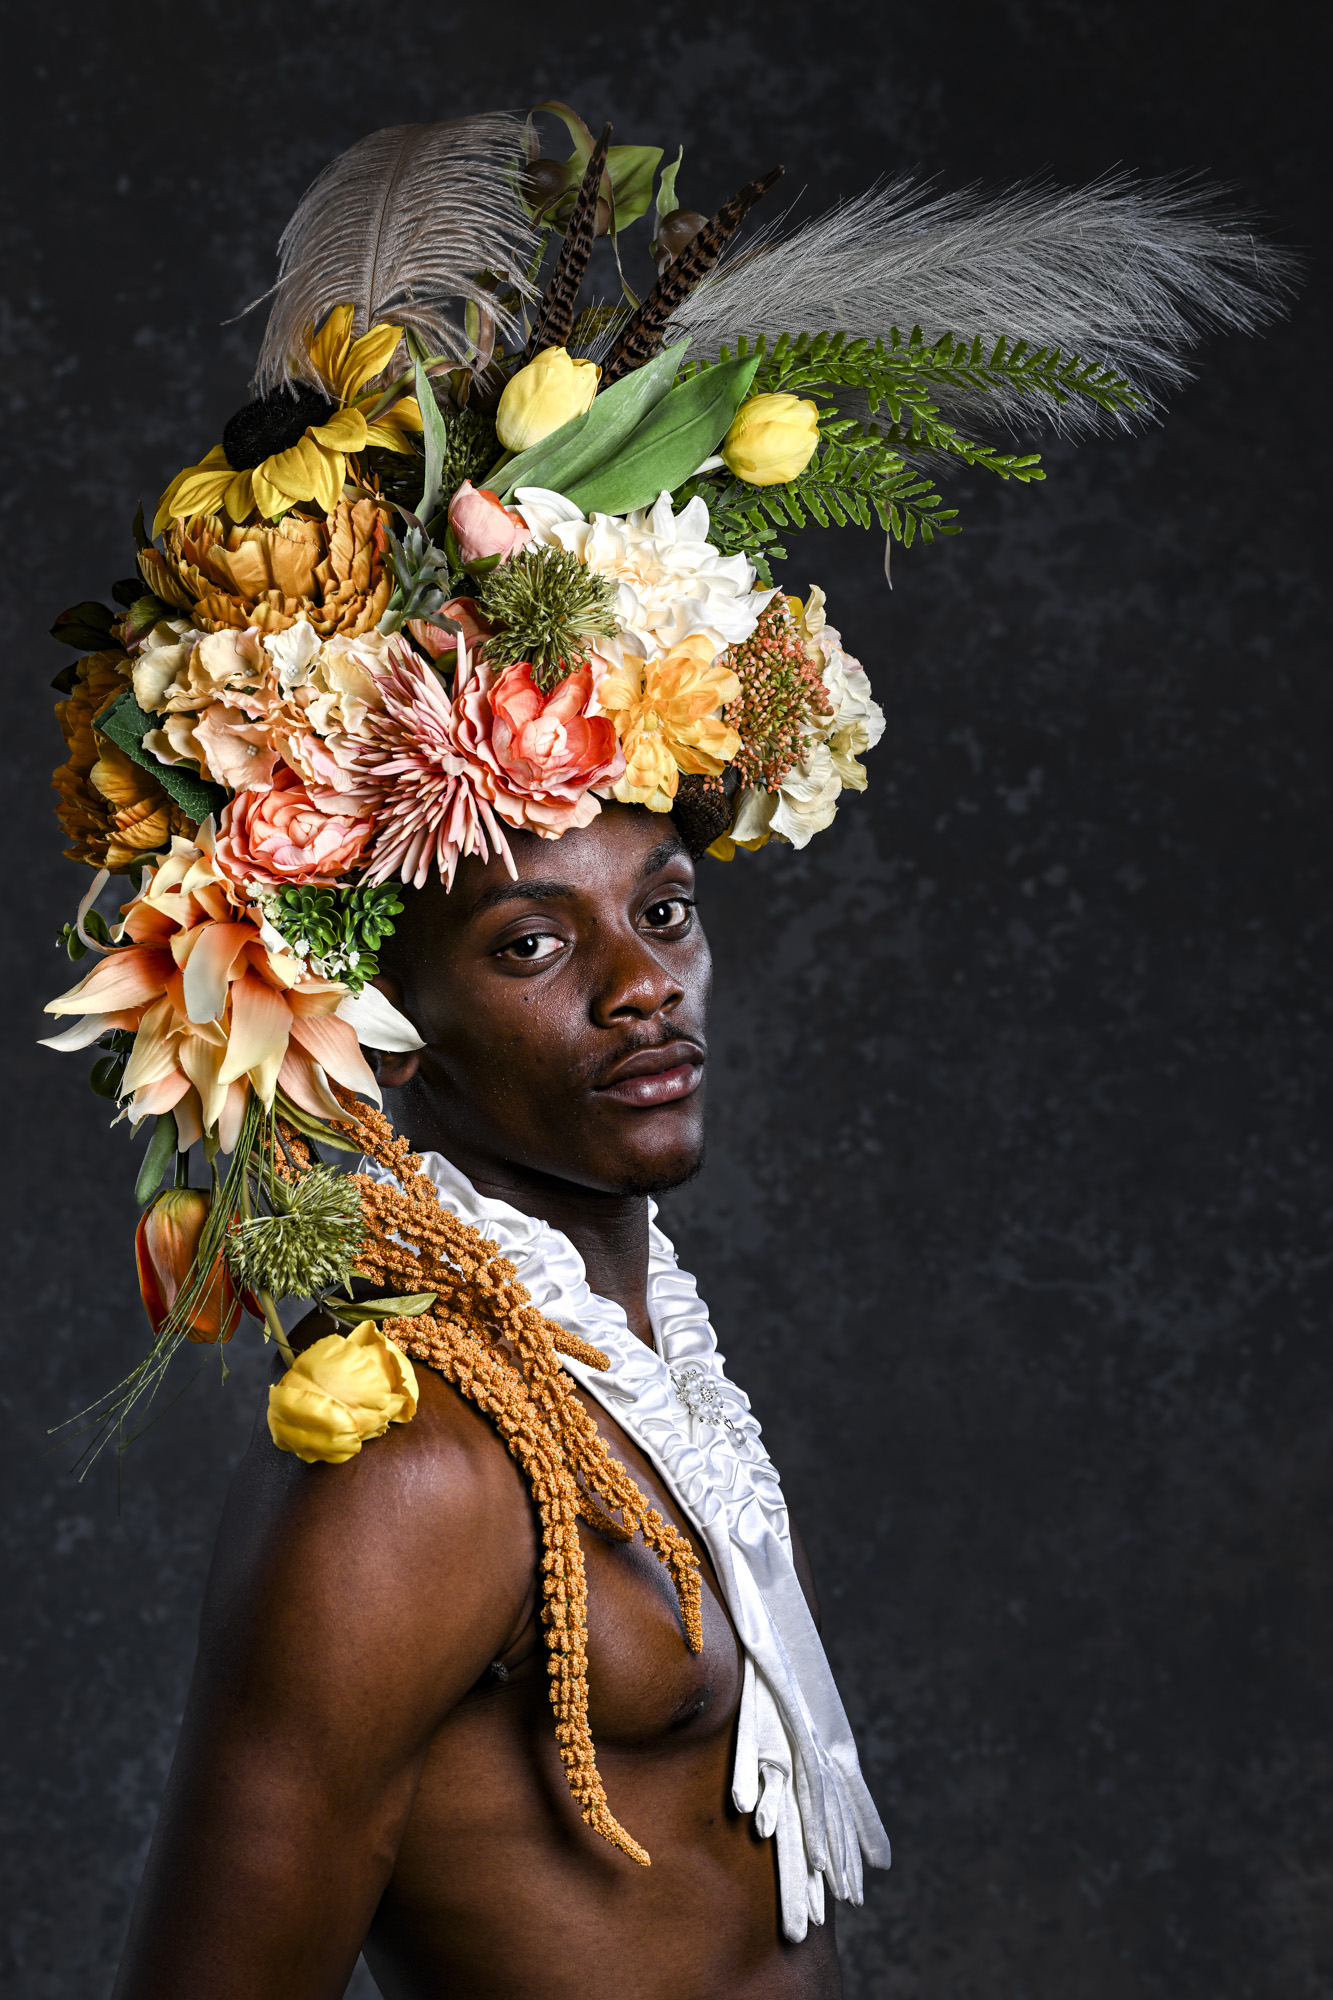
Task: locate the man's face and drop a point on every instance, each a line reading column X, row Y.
column 563, row 1012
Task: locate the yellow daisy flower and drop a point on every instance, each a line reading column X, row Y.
column 313, row 466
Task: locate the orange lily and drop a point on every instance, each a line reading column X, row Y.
column 217, row 1010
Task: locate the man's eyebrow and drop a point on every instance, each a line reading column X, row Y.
column 521, row 892
column 670, row 849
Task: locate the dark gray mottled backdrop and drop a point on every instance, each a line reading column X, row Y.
column 1016, row 1221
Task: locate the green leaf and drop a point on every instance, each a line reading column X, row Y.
column 142, row 538
column 310, row 1127
column 144, row 613
column 671, row 444
column 352, row 1314
column 574, row 125
column 435, row 429
column 631, row 169
column 667, row 203
column 105, row 1076
column 86, row 625
column 160, row 1149
column 588, row 442
column 127, row 724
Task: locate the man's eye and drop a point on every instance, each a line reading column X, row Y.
column 668, row 914
column 530, row 950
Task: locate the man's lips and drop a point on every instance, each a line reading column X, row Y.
column 655, row 1076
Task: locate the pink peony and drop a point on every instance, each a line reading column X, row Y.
column 482, row 527
column 275, row 834
column 542, row 754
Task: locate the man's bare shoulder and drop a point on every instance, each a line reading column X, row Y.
column 428, row 1532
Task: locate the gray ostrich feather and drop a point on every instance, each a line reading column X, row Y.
column 1128, row 274
column 401, row 224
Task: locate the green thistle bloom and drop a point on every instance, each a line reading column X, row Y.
column 547, row 605
column 307, row 1249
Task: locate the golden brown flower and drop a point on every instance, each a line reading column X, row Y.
column 331, row 572
column 113, row 810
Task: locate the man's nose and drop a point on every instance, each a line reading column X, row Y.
column 633, row 982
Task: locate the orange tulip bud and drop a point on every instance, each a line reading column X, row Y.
column 165, row 1245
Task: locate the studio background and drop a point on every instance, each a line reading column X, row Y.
column 1015, row 1223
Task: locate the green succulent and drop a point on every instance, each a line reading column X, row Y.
column 337, row 931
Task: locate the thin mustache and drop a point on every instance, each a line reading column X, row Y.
column 599, row 1072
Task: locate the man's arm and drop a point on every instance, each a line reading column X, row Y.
column 348, row 1609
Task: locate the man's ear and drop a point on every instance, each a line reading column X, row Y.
column 395, row 1067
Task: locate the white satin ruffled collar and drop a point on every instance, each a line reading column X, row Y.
column 796, row 1764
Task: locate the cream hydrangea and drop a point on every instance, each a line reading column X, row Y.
column 807, row 799
column 672, row 582
column 232, row 702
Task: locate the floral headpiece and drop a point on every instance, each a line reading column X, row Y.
column 476, row 560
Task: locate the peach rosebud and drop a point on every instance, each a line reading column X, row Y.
column 165, row 1246
column 464, row 613
column 341, row 1391
column 543, row 396
column 772, row 439
column 482, row 527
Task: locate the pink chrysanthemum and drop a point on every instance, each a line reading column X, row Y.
column 420, row 787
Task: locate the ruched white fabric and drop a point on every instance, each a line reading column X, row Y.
column 796, row 1764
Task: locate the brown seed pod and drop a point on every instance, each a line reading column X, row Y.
column 702, row 812
column 543, row 183
column 675, row 232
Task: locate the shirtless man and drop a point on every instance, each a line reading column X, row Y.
column 367, row 1756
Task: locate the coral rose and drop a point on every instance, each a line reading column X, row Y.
column 275, row 835
column 482, row 527
column 540, row 755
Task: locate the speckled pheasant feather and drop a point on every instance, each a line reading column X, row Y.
column 643, row 334
column 555, row 316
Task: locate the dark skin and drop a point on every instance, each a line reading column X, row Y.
column 352, row 1768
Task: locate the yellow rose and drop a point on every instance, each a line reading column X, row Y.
column 544, row 395
column 771, row 440
column 340, row 1392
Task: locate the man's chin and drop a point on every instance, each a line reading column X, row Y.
column 674, row 1173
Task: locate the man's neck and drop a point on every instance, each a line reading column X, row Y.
column 609, row 1231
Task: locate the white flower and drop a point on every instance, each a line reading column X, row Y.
column 164, row 654
column 803, row 805
column 293, row 651
column 672, row 581
column 807, row 799
column 857, row 721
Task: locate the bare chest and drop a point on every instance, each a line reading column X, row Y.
column 646, row 1688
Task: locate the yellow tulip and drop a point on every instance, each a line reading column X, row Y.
column 772, row 439
column 340, row 1392
column 543, row 396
